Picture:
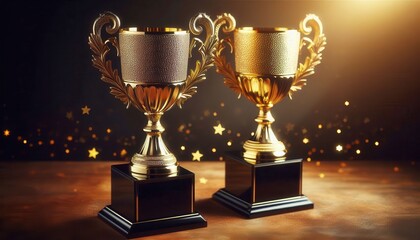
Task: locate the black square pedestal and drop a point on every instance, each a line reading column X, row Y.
column 264, row 188
column 151, row 206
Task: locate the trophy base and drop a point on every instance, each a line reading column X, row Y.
column 262, row 189
column 156, row 226
column 142, row 207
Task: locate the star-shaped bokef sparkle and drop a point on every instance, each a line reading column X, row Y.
column 219, row 129
column 197, row 156
column 85, row 110
column 93, row 153
column 6, row 133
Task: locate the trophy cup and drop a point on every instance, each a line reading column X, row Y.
column 260, row 180
column 152, row 194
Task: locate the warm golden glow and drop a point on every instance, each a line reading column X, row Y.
column 305, row 140
column 6, row 133
column 85, row 110
column 376, row 143
column 183, row 148
column 339, row 148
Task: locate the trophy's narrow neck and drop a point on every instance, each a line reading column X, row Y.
column 154, row 158
column 153, row 123
column 264, row 132
column 264, row 145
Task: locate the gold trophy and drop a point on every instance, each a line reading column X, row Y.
column 260, row 180
column 153, row 194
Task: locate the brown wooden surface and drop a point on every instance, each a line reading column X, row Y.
column 362, row 200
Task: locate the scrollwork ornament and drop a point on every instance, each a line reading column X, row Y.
column 222, row 66
column 100, row 50
column 315, row 46
column 197, row 25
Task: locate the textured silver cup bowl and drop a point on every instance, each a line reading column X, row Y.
column 266, row 51
column 154, row 55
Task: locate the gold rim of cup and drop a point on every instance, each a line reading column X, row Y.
column 153, row 30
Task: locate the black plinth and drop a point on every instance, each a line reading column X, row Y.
column 256, row 190
column 151, row 206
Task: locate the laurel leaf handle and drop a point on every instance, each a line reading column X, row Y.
column 315, row 46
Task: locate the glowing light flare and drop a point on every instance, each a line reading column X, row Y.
column 358, row 151
column 305, row 140
column 203, row 180
column 376, row 143
column 320, row 126
column 339, row 148
column 321, row 175
column 338, row 131
column 346, row 103
column 308, row 159
column 214, row 150
column 6, row 133
column 229, row 143
column 123, row 152
column 396, row 169
column 182, row 148
column 108, row 130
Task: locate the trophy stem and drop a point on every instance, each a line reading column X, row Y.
column 264, row 145
column 154, row 158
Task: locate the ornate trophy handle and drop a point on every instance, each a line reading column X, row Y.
column 222, row 66
column 207, row 49
column 314, row 46
column 100, row 50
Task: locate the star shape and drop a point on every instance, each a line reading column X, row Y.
column 197, row 155
column 6, row 133
column 203, row 180
column 93, row 153
column 85, row 110
column 219, row 129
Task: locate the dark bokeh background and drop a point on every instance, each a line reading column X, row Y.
column 371, row 61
